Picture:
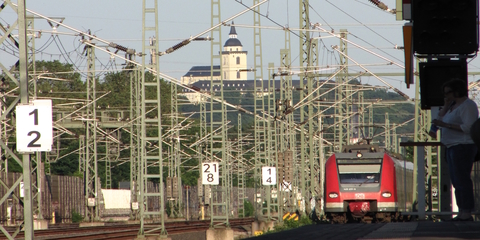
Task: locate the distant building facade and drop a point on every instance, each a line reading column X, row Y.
column 233, row 60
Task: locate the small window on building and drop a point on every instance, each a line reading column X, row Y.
column 238, row 74
column 238, row 60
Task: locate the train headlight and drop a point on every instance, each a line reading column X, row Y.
column 333, row 195
column 386, row 194
column 359, row 154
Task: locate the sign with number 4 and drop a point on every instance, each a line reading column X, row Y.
column 210, row 173
column 269, row 176
column 34, row 126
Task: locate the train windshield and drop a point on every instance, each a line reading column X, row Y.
column 359, row 173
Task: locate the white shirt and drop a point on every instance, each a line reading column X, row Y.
column 464, row 115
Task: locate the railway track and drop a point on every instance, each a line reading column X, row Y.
column 123, row 231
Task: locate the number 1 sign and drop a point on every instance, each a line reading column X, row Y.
column 34, row 126
column 210, row 173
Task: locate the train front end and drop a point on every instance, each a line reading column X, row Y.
column 360, row 186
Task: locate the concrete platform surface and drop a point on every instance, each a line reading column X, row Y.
column 362, row 231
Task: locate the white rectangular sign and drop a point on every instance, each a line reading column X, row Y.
column 22, row 190
column 210, row 173
column 34, row 126
column 269, row 176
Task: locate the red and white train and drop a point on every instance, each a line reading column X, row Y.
column 363, row 184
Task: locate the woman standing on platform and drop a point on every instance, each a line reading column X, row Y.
column 455, row 119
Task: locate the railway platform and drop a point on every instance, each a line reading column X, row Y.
column 363, row 231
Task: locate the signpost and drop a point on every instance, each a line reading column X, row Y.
column 210, row 173
column 34, row 126
column 269, row 176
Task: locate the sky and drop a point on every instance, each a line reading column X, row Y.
column 120, row 21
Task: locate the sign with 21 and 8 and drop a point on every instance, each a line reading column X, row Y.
column 210, row 173
column 34, row 126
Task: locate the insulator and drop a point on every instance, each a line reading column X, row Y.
column 202, row 39
column 379, row 4
column 174, row 48
column 281, row 74
column 289, row 110
column 121, row 48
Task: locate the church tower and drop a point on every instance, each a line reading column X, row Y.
column 234, row 58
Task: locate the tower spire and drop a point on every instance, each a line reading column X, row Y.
column 233, row 33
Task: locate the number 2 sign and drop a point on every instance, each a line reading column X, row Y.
column 34, row 126
column 210, row 173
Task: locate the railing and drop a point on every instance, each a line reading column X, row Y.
column 444, row 184
column 420, row 166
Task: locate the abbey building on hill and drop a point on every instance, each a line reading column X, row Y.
column 233, row 59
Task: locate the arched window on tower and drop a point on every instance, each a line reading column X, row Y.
column 238, row 60
column 238, row 74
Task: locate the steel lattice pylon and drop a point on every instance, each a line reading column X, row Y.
column 175, row 158
column 240, row 169
column 202, row 151
column 151, row 166
column 135, row 142
column 25, row 63
column 257, row 43
column 309, row 161
column 273, row 206
column 36, row 158
column 342, row 99
column 286, row 131
column 261, row 193
column 91, row 168
column 220, row 198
